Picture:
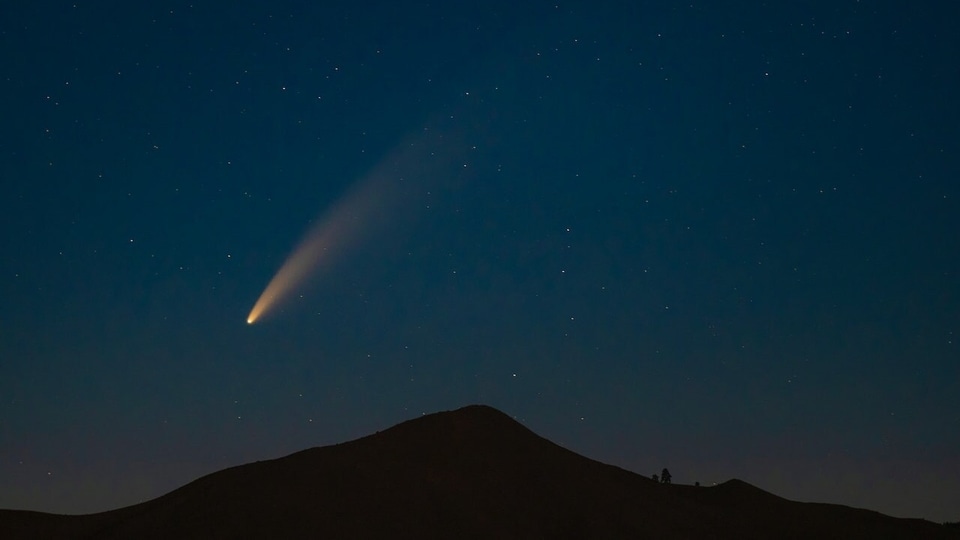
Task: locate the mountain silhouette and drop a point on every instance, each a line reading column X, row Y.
column 469, row 473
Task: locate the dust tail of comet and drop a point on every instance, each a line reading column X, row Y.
column 382, row 197
column 317, row 246
column 305, row 257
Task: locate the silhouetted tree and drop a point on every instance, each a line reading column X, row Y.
column 665, row 476
column 697, row 484
column 656, row 478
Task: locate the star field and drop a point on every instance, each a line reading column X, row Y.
column 721, row 239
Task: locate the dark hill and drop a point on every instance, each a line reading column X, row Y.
column 470, row 473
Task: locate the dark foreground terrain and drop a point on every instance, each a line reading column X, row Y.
column 469, row 473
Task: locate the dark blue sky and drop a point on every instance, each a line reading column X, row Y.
column 721, row 239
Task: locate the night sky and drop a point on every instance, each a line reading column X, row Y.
column 722, row 238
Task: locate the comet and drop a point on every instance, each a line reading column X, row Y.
column 324, row 242
column 376, row 200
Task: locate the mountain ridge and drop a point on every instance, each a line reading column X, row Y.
column 469, row 473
